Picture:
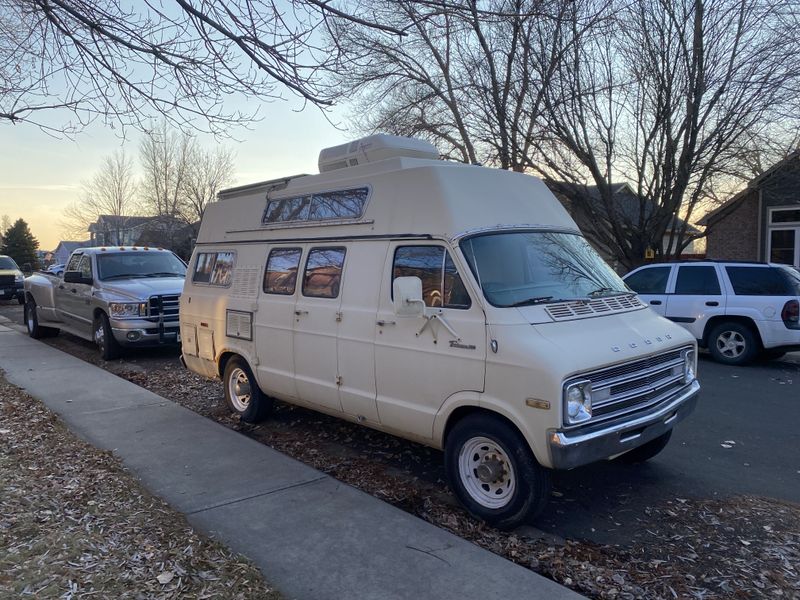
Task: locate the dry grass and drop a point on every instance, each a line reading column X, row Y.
column 75, row 524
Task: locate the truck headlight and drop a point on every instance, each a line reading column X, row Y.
column 689, row 366
column 578, row 402
column 121, row 310
column 19, row 277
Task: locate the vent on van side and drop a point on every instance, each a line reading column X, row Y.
column 577, row 309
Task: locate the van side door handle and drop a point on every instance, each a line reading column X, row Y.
column 383, row 323
column 712, row 303
column 300, row 312
column 655, row 302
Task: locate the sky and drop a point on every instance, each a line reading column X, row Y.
column 40, row 176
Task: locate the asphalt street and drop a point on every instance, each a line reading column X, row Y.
column 741, row 440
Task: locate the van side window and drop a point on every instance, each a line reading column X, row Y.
column 322, row 206
column 442, row 286
column 214, row 268
column 323, row 272
column 280, row 276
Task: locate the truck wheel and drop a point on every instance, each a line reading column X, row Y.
column 35, row 330
column 732, row 344
column 21, row 299
column 242, row 394
column 493, row 472
column 646, row 451
column 104, row 338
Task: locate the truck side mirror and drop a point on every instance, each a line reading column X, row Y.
column 407, row 297
column 75, row 277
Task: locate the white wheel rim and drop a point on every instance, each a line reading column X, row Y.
column 486, row 472
column 99, row 335
column 30, row 320
column 731, row 344
column 239, row 389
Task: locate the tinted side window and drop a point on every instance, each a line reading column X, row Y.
column 441, row 284
column 72, row 265
column 649, row 281
column 323, row 272
column 695, row 281
column 757, row 281
column 280, row 276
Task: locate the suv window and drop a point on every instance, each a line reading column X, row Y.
column 441, row 284
column 649, row 281
column 280, row 276
column 758, row 281
column 697, row 281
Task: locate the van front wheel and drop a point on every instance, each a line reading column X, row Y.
column 242, row 394
column 493, row 472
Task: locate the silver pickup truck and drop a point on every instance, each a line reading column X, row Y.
column 125, row 296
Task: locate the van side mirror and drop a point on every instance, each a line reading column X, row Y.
column 75, row 277
column 407, row 294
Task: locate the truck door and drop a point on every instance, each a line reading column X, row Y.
column 419, row 363
column 65, row 294
column 316, row 326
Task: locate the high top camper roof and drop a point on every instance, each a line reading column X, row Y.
column 386, row 194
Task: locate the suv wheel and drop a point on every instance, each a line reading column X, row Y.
column 733, row 344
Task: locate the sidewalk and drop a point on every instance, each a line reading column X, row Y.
column 312, row 536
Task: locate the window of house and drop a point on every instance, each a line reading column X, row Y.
column 649, row 281
column 323, row 273
column 442, row 286
column 280, row 276
column 785, row 215
column 214, row 268
column 696, row 281
column 324, row 206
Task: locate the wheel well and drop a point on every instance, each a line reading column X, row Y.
column 745, row 321
column 96, row 313
column 463, row 411
column 223, row 360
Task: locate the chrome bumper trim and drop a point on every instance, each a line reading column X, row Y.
column 577, row 447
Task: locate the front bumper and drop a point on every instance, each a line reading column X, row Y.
column 574, row 448
column 140, row 332
column 12, row 291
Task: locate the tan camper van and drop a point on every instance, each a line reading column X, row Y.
column 454, row 305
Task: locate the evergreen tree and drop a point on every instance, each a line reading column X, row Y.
column 19, row 244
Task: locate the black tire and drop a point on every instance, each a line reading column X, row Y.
column 733, row 344
column 21, row 299
column 646, row 451
column 31, row 319
column 516, row 495
column 252, row 405
column 104, row 338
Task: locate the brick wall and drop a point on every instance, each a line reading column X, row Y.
column 734, row 235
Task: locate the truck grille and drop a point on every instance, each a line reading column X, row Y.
column 6, row 280
column 635, row 385
column 163, row 305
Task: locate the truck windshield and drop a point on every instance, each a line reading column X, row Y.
column 536, row 267
column 8, row 263
column 121, row 265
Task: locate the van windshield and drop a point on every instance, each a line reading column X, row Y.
column 537, row 267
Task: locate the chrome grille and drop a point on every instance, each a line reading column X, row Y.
column 7, row 279
column 166, row 305
column 635, row 385
column 576, row 309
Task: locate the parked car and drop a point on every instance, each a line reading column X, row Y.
column 116, row 297
column 738, row 310
column 11, row 280
column 455, row 305
column 57, row 270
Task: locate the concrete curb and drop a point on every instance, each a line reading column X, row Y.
column 312, row 536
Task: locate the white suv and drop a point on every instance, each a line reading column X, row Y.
column 735, row 309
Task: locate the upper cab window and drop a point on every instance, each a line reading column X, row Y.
column 442, row 286
column 697, row 281
column 85, row 266
column 324, row 206
column 323, row 274
column 652, row 280
column 72, row 265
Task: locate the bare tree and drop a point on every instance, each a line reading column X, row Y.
column 164, row 156
column 111, row 191
column 207, row 172
column 126, row 62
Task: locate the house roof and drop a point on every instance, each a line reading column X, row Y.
column 627, row 202
column 733, row 202
column 71, row 246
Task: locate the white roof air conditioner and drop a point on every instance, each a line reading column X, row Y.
column 372, row 149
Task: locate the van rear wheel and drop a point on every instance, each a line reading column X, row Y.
column 493, row 472
column 242, row 394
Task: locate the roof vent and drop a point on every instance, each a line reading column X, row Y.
column 372, row 149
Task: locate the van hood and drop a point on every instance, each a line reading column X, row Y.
column 142, row 289
column 614, row 338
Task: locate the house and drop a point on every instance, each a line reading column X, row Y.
column 65, row 248
column 164, row 232
column 629, row 206
column 762, row 221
